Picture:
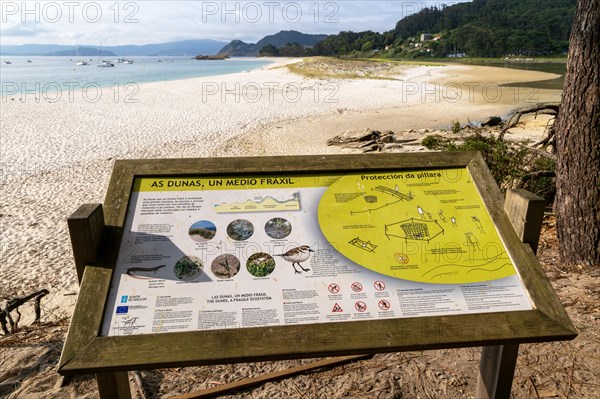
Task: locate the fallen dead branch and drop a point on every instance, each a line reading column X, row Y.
column 514, row 120
column 12, row 305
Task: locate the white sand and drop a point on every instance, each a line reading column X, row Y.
column 56, row 156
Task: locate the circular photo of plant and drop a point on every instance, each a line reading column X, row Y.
column 278, row 228
column 188, row 268
column 202, row 231
column 240, row 230
column 225, row 266
column 260, row 264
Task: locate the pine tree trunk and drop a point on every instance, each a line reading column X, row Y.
column 578, row 143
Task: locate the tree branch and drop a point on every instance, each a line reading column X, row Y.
column 514, row 120
column 13, row 305
column 535, row 175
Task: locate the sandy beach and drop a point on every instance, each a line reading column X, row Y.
column 58, row 153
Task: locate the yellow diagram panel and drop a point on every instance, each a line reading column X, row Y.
column 425, row 226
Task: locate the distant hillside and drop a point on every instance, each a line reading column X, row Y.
column 33, row 49
column 238, row 48
column 178, row 48
column 284, row 37
column 493, row 28
column 481, row 28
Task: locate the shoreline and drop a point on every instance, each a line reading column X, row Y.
column 57, row 156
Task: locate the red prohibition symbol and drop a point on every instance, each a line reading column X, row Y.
column 379, row 285
column 334, row 288
column 357, row 287
column 360, row 306
column 384, row 305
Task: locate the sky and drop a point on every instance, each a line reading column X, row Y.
column 155, row 21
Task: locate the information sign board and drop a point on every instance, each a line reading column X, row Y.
column 207, row 261
column 282, row 249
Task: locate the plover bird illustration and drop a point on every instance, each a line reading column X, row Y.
column 297, row 255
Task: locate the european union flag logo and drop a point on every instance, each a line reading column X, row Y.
column 122, row 309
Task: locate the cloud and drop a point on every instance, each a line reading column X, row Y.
column 252, row 20
column 145, row 21
column 28, row 29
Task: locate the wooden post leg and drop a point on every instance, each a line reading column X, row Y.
column 113, row 385
column 86, row 226
column 496, row 371
column 497, row 365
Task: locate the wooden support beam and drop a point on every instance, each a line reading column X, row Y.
column 113, row 385
column 86, row 226
column 525, row 211
column 496, row 371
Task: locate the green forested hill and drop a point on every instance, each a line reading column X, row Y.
column 482, row 28
column 289, row 41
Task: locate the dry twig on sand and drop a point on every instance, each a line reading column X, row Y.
column 13, row 305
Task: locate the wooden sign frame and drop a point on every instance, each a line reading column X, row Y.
column 85, row 351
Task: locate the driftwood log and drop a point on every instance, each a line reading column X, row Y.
column 13, row 305
column 546, row 107
column 274, row 376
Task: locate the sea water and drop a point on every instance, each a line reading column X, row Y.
column 51, row 74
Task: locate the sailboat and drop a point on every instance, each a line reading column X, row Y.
column 104, row 64
column 122, row 60
column 79, row 62
column 119, row 60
